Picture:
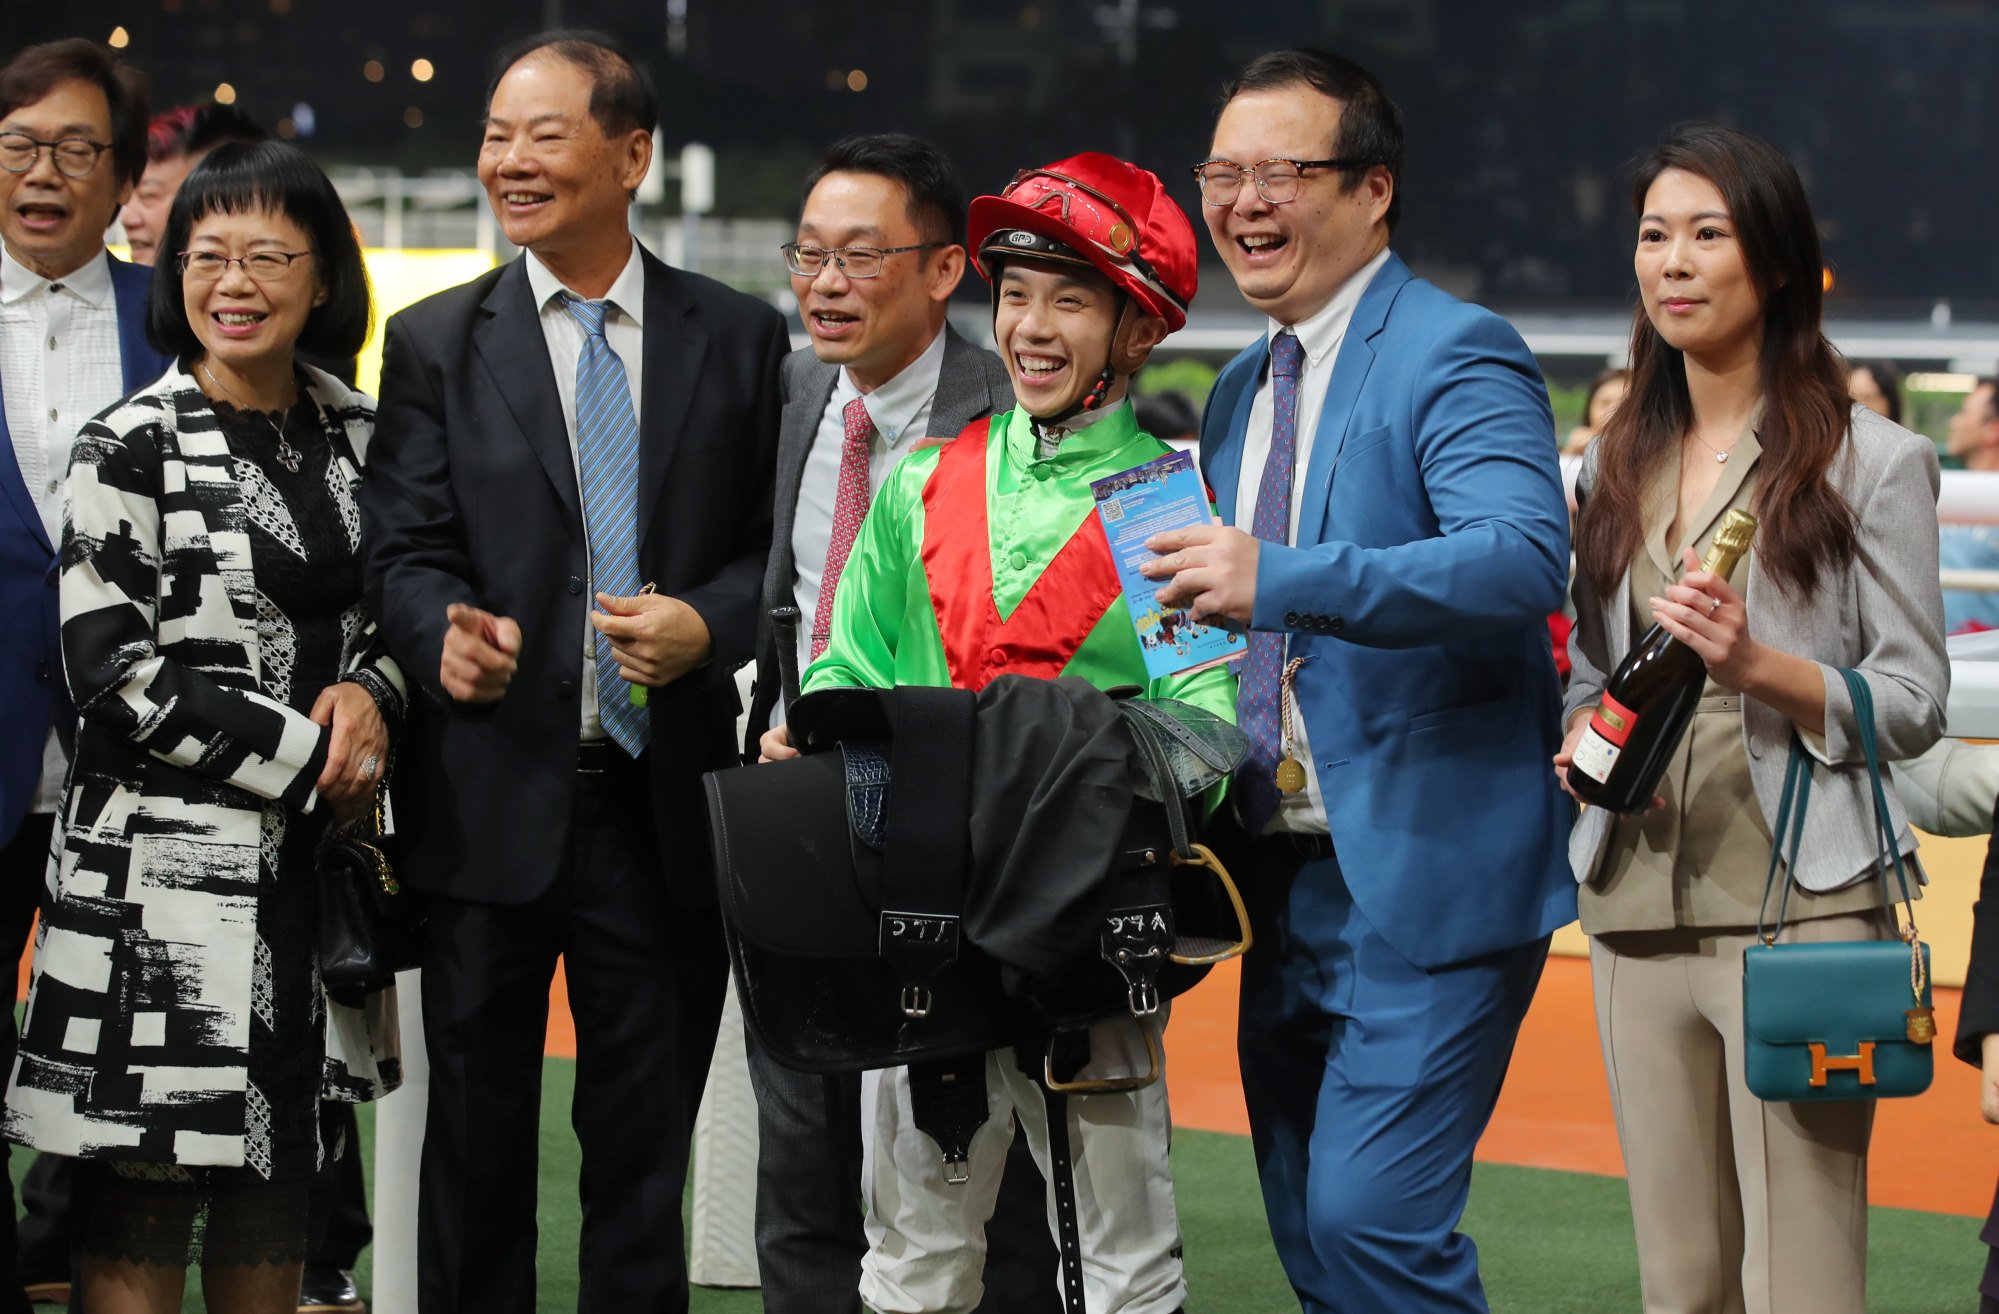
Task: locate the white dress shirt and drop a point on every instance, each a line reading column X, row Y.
column 59, row 357
column 624, row 330
column 1321, row 336
column 900, row 412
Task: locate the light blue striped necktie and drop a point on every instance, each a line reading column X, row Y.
column 607, row 457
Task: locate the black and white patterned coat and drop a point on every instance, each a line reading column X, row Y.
column 189, row 764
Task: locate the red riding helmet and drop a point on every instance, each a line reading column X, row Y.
column 1116, row 216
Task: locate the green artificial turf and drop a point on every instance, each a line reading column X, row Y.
column 1549, row 1242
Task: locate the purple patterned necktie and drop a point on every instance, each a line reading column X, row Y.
column 1256, row 702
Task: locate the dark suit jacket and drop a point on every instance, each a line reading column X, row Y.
column 1978, row 1012
column 971, row 384
column 31, row 690
column 470, row 496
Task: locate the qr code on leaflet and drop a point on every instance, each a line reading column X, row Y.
column 1113, row 510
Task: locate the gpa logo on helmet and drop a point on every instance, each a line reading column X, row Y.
column 1020, row 237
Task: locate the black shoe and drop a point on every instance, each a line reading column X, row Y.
column 328, row 1290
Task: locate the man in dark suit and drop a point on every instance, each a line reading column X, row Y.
column 583, row 422
column 881, row 247
column 72, row 342
column 1977, row 1041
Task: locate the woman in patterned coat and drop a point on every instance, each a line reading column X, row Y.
column 232, row 697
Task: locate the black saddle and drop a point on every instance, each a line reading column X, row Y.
column 943, row 873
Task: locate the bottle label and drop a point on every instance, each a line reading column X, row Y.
column 1604, row 738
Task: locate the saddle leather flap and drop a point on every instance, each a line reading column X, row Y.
column 802, row 887
column 826, row 716
column 1837, row 994
column 1198, row 746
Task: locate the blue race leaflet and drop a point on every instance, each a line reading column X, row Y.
column 1165, row 493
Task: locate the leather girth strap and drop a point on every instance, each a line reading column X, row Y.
column 948, row 1103
column 927, row 850
column 1062, row 1181
column 925, row 866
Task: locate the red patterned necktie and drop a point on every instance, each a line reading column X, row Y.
column 850, row 507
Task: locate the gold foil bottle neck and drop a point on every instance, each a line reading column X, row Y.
column 1737, row 528
column 1731, row 540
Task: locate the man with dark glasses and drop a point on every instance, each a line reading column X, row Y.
column 983, row 558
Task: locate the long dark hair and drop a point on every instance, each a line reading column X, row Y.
column 1805, row 525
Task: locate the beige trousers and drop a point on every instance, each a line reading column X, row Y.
column 1741, row 1207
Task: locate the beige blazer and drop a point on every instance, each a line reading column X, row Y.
column 1880, row 614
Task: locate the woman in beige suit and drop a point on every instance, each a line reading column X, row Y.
column 1737, row 400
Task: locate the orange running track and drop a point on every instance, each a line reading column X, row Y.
column 1933, row 1152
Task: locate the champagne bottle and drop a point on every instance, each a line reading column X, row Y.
column 1649, row 702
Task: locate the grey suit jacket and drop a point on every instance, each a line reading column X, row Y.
column 971, row 384
column 1880, row 614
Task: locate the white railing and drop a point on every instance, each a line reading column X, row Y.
column 1969, row 581
column 1969, row 497
column 448, row 209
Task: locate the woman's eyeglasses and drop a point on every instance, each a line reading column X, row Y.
column 261, row 266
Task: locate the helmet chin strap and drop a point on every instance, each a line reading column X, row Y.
column 1106, row 378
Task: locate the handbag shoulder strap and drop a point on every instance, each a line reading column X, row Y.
column 1890, row 853
column 1798, row 788
column 1798, row 781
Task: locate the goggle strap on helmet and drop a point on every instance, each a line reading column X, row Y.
column 1152, row 279
column 1003, row 242
column 1119, row 243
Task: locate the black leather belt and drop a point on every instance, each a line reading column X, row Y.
column 596, row 757
column 1301, row 846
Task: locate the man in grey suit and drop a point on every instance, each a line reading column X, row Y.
column 880, row 249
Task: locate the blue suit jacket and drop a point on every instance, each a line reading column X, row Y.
column 31, row 685
column 1433, row 542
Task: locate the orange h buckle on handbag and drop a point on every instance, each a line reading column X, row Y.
column 1863, row 1063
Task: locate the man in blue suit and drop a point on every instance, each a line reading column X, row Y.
column 1390, row 452
column 72, row 342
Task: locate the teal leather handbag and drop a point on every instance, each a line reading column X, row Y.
column 1843, row 1020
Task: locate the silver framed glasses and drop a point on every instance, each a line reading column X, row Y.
column 261, row 266
column 1277, row 180
column 75, row 157
column 853, row 261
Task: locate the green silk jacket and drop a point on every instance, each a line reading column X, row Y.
column 902, row 575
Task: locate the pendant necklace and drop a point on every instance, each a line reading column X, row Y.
column 1720, row 453
column 288, row 456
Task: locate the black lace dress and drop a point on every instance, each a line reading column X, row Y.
column 305, row 530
